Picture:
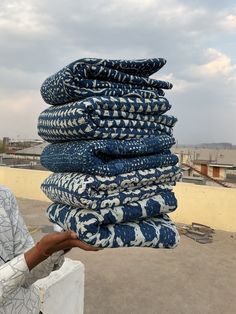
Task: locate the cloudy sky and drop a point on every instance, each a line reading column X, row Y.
column 198, row 39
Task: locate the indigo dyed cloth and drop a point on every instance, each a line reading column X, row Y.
column 98, row 77
column 109, row 157
column 110, row 136
column 98, row 192
column 142, row 223
column 106, row 117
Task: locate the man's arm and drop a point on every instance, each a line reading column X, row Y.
column 12, row 276
column 26, row 268
column 13, row 272
column 39, row 264
column 32, row 262
column 23, row 242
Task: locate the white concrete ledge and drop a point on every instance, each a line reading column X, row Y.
column 63, row 290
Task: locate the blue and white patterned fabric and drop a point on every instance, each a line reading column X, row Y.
column 106, row 117
column 142, row 223
column 110, row 153
column 109, row 157
column 98, row 77
column 97, row 192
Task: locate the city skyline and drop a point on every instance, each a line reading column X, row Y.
column 197, row 39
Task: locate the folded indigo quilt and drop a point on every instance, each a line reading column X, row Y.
column 106, row 117
column 97, row 77
column 97, row 192
column 109, row 157
column 142, row 223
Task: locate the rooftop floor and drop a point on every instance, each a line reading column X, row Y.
column 191, row 279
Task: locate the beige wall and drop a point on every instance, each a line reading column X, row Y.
column 23, row 182
column 214, row 206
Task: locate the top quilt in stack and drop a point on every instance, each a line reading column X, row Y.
column 113, row 171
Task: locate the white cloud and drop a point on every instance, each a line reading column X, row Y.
column 179, row 85
column 22, row 16
column 17, row 79
column 151, row 12
column 229, row 23
column 19, row 112
column 217, row 64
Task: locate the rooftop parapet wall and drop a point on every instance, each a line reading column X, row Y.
column 214, row 206
column 210, row 205
column 24, row 183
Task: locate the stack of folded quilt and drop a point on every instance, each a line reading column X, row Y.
column 113, row 171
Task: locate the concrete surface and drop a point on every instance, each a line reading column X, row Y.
column 191, row 279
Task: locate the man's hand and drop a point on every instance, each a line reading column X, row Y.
column 58, row 241
column 52, row 243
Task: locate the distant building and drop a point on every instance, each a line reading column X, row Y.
column 221, row 156
column 12, row 145
column 31, row 152
column 28, row 158
column 207, row 170
column 5, row 142
column 212, row 169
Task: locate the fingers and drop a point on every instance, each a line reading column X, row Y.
column 85, row 246
column 63, row 236
column 74, row 242
column 68, row 244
